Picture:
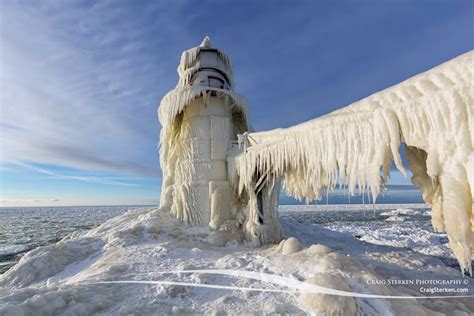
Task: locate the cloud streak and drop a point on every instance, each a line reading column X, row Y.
column 105, row 181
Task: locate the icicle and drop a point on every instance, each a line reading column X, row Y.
column 173, row 102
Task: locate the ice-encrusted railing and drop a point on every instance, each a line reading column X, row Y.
column 432, row 113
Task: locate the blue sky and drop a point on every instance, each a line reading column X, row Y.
column 81, row 80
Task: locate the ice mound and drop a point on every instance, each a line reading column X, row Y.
column 402, row 211
column 290, row 245
column 145, row 261
column 228, row 235
column 395, row 218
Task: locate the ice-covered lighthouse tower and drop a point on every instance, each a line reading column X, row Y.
column 201, row 120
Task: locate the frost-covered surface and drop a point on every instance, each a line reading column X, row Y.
column 138, row 245
column 432, row 113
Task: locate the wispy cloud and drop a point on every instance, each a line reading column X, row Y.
column 28, row 201
column 100, row 180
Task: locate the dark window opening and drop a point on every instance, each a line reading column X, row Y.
column 260, row 207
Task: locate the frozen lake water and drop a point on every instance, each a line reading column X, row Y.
column 399, row 225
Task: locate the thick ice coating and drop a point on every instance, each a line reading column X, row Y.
column 180, row 143
column 431, row 113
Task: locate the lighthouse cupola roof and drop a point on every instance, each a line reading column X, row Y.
column 205, row 66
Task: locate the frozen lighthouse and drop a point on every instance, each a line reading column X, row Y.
column 201, row 120
column 220, row 173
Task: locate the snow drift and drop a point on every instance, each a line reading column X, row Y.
column 93, row 272
column 432, row 113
